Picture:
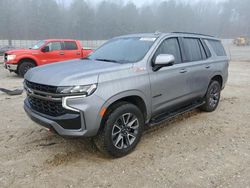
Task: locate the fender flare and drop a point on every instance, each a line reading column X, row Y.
column 217, row 73
column 125, row 94
column 27, row 57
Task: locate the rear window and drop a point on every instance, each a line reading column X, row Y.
column 194, row 50
column 70, row 45
column 217, row 47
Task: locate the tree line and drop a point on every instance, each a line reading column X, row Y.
column 39, row 19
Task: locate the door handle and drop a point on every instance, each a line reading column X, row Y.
column 61, row 53
column 78, row 53
column 183, row 71
column 207, row 67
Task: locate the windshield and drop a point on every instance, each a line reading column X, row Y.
column 38, row 45
column 123, row 50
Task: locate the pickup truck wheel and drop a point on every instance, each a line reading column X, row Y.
column 24, row 67
column 212, row 97
column 122, row 131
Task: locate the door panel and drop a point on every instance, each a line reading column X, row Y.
column 197, row 78
column 197, row 60
column 55, row 53
column 169, row 87
column 71, row 50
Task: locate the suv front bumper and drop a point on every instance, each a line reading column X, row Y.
column 84, row 123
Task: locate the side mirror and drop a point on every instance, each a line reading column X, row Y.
column 163, row 60
column 45, row 49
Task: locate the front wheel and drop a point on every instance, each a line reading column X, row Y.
column 24, row 67
column 122, row 131
column 212, row 97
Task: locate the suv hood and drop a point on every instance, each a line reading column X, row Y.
column 74, row 72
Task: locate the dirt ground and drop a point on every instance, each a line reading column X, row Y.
column 196, row 149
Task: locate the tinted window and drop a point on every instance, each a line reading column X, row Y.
column 194, row 50
column 208, row 53
column 70, row 45
column 218, row 47
column 170, row 46
column 203, row 53
column 54, row 46
column 123, row 50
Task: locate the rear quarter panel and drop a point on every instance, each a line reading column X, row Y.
column 219, row 66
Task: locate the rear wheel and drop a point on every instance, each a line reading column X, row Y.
column 24, row 67
column 212, row 97
column 122, row 131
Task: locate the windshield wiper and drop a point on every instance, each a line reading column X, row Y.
column 106, row 60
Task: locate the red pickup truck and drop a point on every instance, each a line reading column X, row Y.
column 44, row 52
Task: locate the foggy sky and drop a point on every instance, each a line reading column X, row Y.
column 139, row 3
column 85, row 20
column 144, row 2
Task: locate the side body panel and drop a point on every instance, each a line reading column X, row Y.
column 124, row 83
column 74, row 53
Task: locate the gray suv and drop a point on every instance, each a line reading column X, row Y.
column 128, row 83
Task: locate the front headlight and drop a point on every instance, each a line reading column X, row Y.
column 11, row 57
column 84, row 90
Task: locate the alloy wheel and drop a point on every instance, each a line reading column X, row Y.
column 214, row 96
column 125, row 131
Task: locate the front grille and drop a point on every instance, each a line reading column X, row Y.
column 41, row 87
column 44, row 99
column 51, row 108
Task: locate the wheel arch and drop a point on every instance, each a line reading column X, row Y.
column 28, row 59
column 218, row 78
column 133, row 97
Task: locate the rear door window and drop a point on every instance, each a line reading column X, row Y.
column 217, row 47
column 170, row 46
column 70, row 45
column 194, row 50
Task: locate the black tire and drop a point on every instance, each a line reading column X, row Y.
column 116, row 139
column 212, row 97
column 24, row 67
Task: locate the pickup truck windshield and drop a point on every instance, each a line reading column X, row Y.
column 123, row 50
column 38, row 45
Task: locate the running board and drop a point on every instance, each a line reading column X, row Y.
column 169, row 115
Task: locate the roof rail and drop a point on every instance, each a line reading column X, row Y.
column 194, row 34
